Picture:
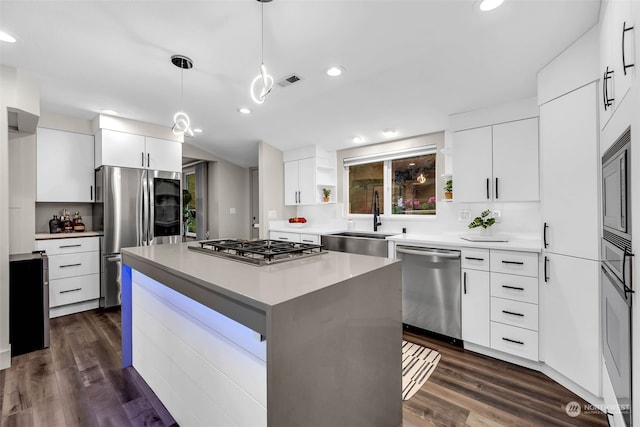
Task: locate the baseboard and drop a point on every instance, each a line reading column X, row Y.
column 5, row 358
column 73, row 308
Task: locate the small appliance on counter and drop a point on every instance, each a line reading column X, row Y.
column 28, row 302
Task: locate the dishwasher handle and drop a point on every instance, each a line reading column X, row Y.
column 428, row 252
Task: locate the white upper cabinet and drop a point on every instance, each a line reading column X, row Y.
column 306, row 174
column 570, row 162
column 617, row 56
column 497, row 163
column 123, row 149
column 163, row 155
column 64, row 166
column 472, row 165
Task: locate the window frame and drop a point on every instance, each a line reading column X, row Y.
column 185, row 173
column 387, row 180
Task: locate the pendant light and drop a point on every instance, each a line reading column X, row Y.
column 181, row 121
column 263, row 82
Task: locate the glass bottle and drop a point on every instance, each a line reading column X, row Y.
column 54, row 225
column 78, row 225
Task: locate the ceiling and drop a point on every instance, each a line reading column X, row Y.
column 409, row 64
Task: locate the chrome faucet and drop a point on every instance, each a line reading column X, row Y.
column 376, row 211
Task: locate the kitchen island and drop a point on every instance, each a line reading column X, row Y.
column 313, row 341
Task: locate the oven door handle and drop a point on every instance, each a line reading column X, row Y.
column 624, row 271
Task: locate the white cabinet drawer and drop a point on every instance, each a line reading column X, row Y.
column 71, row 265
column 476, row 259
column 69, row 245
column 74, row 289
column 313, row 239
column 514, row 313
column 284, row 236
column 511, row 262
column 511, row 286
column 511, row 339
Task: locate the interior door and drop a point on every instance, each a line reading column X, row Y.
column 254, row 231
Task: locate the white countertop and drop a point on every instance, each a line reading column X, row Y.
column 308, row 228
column 47, row 236
column 259, row 286
column 454, row 240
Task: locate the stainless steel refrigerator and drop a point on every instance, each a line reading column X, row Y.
column 134, row 207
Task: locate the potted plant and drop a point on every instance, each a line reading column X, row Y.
column 448, row 189
column 325, row 194
column 485, row 220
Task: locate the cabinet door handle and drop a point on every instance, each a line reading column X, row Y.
column 307, row 241
column 512, row 313
column 513, row 341
column 70, row 290
column 91, row 192
column 142, row 159
column 624, row 63
column 515, row 288
column 69, row 246
column 605, row 87
column 464, row 282
column 283, row 238
column 71, row 265
column 148, row 160
column 544, row 234
column 487, row 188
column 474, row 258
column 513, row 262
column 497, row 188
column 546, row 267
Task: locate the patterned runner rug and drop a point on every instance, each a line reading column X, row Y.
column 418, row 363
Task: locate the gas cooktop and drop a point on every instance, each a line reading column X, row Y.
column 257, row 252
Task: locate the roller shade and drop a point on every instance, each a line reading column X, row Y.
column 392, row 155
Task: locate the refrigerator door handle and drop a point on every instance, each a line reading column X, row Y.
column 150, row 201
column 142, row 212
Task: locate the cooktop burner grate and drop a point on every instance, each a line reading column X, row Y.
column 257, row 252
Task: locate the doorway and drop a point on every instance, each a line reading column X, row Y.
column 254, row 225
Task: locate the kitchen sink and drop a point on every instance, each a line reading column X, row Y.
column 357, row 242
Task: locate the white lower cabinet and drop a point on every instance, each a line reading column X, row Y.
column 570, row 319
column 475, row 296
column 500, row 300
column 74, row 274
column 286, row 236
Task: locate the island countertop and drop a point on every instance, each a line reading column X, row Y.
column 203, row 277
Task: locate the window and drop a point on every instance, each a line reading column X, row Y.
column 189, row 204
column 404, row 179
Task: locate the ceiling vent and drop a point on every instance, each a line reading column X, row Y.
column 289, row 80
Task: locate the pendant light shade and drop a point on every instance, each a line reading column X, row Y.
column 181, row 121
column 263, row 83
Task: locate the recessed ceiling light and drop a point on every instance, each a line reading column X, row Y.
column 244, row 110
column 108, row 111
column 335, row 71
column 7, row 37
column 358, row 140
column 198, row 130
column 488, row 5
column 388, row 133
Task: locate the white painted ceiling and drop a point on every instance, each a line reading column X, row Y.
column 409, row 64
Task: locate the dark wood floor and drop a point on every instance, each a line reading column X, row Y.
column 468, row 389
column 78, row 382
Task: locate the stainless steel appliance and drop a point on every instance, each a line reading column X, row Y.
column 134, row 207
column 431, row 297
column 616, row 272
column 28, row 302
column 257, row 252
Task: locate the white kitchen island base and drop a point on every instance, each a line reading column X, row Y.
column 332, row 323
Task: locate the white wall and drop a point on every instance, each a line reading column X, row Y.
column 228, row 200
column 18, row 91
column 271, row 177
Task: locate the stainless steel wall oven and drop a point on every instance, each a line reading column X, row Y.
column 616, row 272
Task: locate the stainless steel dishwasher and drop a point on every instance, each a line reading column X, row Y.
column 431, row 289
